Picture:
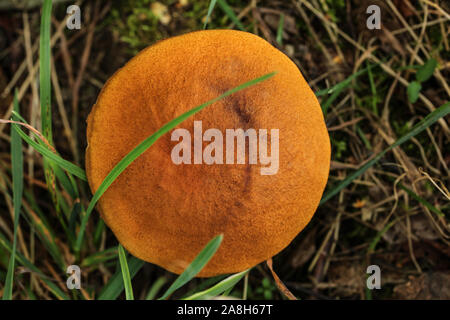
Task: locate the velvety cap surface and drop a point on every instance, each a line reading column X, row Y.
column 165, row 213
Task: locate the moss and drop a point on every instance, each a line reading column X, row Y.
column 136, row 25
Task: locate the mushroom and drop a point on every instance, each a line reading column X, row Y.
column 165, row 212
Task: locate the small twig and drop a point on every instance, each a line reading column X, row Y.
column 62, row 109
column 438, row 8
column 279, row 283
column 345, row 124
column 446, row 193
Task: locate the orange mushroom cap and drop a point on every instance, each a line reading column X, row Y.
column 165, row 213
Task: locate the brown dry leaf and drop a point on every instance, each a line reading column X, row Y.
column 348, row 278
column 429, row 252
column 279, row 283
column 421, row 227
column 428, row 286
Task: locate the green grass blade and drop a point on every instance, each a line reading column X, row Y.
column 212, row 4
column 74, row 187
column 125, row 273
column 44, row 151
column 363, row 137
column 196, row 265
column 65, row 181
column 45, row 94
column 156, row 286
column 144, row 145
column 219, row 288
column 17, row 181
column 99, row 229
column 115, row 286
column 422, row 125
column 373, row 89
column 35, row 218
column 44, row 71
column 341, row 85
column 204, row 284
column 230, row 13
column 100, row 257
column 338, row 88
column 47, row 237
column 421, row 200
column 280, row 29
column 27, row 264
column 378, row 236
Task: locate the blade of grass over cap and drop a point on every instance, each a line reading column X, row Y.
column 212, row 4
column 146, row 143
column 419, row 127
column 125, row 274
column 219, row 288
column 230, row 13
column 17, row 181
column 196, row 266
